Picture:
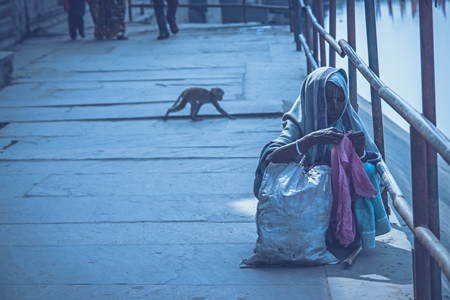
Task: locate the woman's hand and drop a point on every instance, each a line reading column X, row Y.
column 289, row 152
column 329, row 135
column 359, row 140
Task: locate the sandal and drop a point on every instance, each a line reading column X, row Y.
column 173, row 27
column 163, row 36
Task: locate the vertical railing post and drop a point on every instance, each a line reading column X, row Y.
column 323, row 56
column 372, row 48
column 377, row 114
column 301, row 19
column 429, row 111
column 351, row 36
column 315, row 39
column 141, row 8
column 421, row 258
column 332, row 19
column 244, row 10
column 297, row 23
column 291, row 16
column 130, row 15
column 308, row 37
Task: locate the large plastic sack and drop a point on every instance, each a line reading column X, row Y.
column 292, row 217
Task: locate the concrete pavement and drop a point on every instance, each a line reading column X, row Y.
column 101, row 199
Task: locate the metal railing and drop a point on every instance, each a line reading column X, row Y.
column 243, row 4
column 429, row 255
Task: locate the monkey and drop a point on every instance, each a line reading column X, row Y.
column 197, row 97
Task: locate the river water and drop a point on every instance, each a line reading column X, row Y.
column 399, row 53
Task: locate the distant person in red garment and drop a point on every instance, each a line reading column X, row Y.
column 158, row 6
column 75, row 11
column 109, row 18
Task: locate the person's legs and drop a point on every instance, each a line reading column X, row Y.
column 71, row 18
column 95, row 11
column 80, row 24
column 158, row 7
column 102, row 19
column 120, row 15
column 171, row 13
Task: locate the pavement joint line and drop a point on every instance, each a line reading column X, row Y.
column 91, row 104
column 158, row 69
column 132, row 80
column 237, row 116
column 128, row 159
column 131, row 222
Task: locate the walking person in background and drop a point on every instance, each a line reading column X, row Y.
column 158, row 6
column 109, row 18
column 75, row 11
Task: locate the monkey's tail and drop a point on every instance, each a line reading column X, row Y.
column 178, row 100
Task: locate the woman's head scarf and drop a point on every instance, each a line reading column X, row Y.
column 309, row 113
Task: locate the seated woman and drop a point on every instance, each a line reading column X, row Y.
column 320, row 118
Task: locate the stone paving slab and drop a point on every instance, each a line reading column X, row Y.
column 167, row 291
column 260, row 126
column 123, row 209
column 136, row 111
column 137, row 233
column 155, row 264
column 140, row 184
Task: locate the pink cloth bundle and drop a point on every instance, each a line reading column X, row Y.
column 349, row 181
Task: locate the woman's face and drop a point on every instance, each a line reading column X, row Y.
column 335, row 101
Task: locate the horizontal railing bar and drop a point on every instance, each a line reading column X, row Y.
column 425, row 236
column 278, row 7
column 434, row 247
column 398, row 199
column 325, row 35
column 431, row 133
column 308, row 52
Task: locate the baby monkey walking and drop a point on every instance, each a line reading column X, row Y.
column 197, row 97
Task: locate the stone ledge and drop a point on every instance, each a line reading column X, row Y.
column 6, row 67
